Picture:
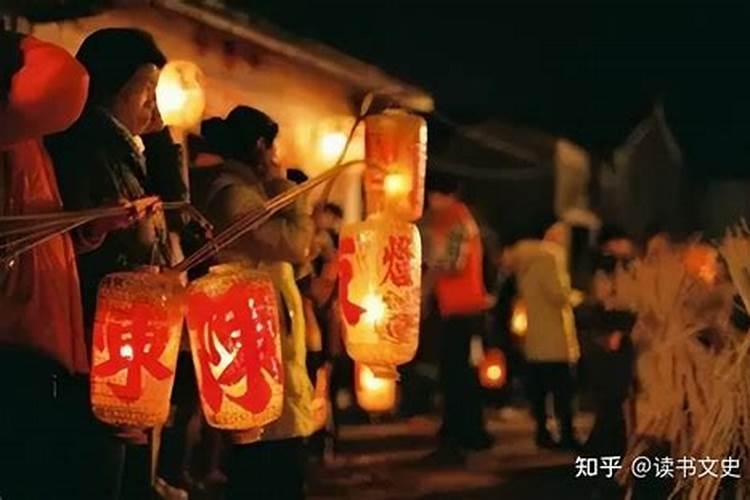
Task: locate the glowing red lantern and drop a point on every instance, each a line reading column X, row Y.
column 374, row 394
column 396, row 147
column 493, row 369
column 519, row 320
column 137, row 328
column 233, row 318
column 380, row 277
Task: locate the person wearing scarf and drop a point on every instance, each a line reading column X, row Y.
column 100, row 160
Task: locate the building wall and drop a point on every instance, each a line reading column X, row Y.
column 307, row 104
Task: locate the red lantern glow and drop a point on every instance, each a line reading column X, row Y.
column 396, row 147
column 374, row 394
column 136, row 340
column 493, row 369
column 380, row 277
column 233, row 319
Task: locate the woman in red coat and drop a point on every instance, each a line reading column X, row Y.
column 42, row 349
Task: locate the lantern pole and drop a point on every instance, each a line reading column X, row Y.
column 256, row 218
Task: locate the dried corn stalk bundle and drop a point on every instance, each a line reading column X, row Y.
column 676, row 342
column 725, row 432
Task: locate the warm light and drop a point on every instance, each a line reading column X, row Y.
column 519, row 322
column 179, row 94
column 494, row 372
column 136, row 341
column 370, row 381
column 379, row 291
column 396, row 152
column 332, row 145
column 397, row 184
column 233, row 319
column 374, row 394
column 375, row 309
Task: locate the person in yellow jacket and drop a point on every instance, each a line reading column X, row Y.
column 551, row 345
column 267, row 463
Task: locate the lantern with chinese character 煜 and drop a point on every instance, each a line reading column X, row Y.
column 179, row 94
column 233, row 318
column 137, row 327
column 379, row 288
column 374, row 394
column 492, row 369
column 396, row 151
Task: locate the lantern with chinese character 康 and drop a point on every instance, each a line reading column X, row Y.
column 374, row 394
column 137, row 328
column 396, row 152
column 233, row 318
column 519, row 320
column 493, row 369
column 379, row 291
column 179, row 94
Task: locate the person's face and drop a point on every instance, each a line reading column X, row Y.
column 267, row 160
column 439, row 201
column 602, row 288
column 324, row 220
column 135, row 104
column 622, row 248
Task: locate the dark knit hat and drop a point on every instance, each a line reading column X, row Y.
column 241, row 131
column 112, row 56
column 252, row 124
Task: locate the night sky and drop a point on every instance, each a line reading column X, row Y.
column 589, row 73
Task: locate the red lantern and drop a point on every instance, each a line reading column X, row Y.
column 233, row 319
column 139, row 317
column 493, row 370
column 380, row 275
column 396, row 147
column 374, row 394
column 519, row 320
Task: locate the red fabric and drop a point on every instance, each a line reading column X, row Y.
column 47, row 95
column 461, row 292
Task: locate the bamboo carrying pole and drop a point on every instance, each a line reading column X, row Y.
column 256, row 218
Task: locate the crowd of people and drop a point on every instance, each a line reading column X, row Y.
column 85, row 132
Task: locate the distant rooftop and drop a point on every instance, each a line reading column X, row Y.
column 363, row 76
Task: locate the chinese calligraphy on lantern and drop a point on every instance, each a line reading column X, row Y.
column 134, row 337
column 237, row 343
column 397, row 258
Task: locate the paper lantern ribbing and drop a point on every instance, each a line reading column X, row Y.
column 233, row 318
column 379, row 287
column 374, row 394
column 137, row 328
column 396, row 149
column 179, row 94
column 493, row 369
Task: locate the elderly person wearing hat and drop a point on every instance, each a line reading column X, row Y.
column 100, row 160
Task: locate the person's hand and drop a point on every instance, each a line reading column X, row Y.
column 614, row 341
column 135, row 210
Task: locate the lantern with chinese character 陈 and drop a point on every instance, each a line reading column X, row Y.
column 492, row 369
column 519, row 320
column 396, row 151
column 374, row 394
column 179, row 94
column 137, row 328
column 379, row 291
column 233, row 318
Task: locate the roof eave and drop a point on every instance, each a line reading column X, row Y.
column 364, row 76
